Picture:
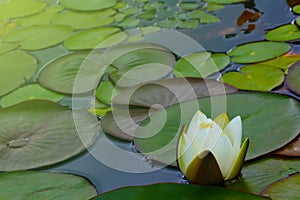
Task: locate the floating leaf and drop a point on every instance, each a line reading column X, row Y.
column 20, row 8
column 258, row 77
column 44, row 185
column 258, row 174
column 204, row 17
column 284, row 33
column 85, row 20
column 283, row 62
column 87, row 6
column 6, row 47
column 32, row 91
column 175, row 192
column 188, row 5
column 60, row 74
column 129, row 11
column 39, row 37
column 6, row 26
column 148, row 15
column 258, row 51
column 286, row 188
column 38, row 133
column 169, row 23
column 186, row 24
column 225, row 1
column 129, row 22
column 210, row 7
column 292, row 149
column 260, row 121
column 16, row 68
column 296, row 9
column 201, row 64
column 89, row 39
column 113, row 40
column 105, row 91
column 293, row 78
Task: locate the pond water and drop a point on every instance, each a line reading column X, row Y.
column 213, row 38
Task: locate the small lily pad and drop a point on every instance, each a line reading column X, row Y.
column 169, row 23
column 296, row 9
column 38, row 133
column 28, row 92
column 201, row 64
column 203, row 16
column 189, row 24
column 39, row 37
column 129, row 22
column 44, row 185
column 20, row 8
column 211, row 7
column 293, row 78
column 284, row 33
column 283, row 62
column 6, row 47
column 258, row 51
column 84, row 20
column 16, row 68
column 225, row 1
column 175, row 192
column 148, row 15
column 188, row 5
column 256, row 77
column 105, row 91
column 87, row 5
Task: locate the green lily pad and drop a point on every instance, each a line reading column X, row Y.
column 267, row 128
column 284, row 33
column 20, row 8
column 201, row 64
column 105, row 91
column 32, row 91
column 6, row 47
column 169, row 23
column 42, row 18
column 44, row 185
column 225, row 1
column 129, row 11
column 258, row 51
column 16, row 68
column 283, row 62
column 38, row 133
column 293, row 78
column 296, row 9
column 89, row 39
column 175, row 192
column 113, row 40
column 84, row 20
column 258, row 77
column 203, row 16
column 188, row 5
column 287, row 188
column 60, row 74
column 189, row 24
column 258, row 174
column 211, row 7
column 148, row 15
column 87, row 5
column 39, row 37
column 129, row 22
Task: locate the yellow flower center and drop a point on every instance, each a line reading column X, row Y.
column 206, row 125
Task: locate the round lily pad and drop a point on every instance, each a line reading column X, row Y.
column 258, row 51
column 201, row 64
column 258, row 77
column 270, row 123
column 91, row 38
column 20, row 8
column 84, row 20
column 16, row 68
column 225, row 1
column 60, row 74
column 283, row 62
column 293, row 78
column 87, row 5
column 35, row 185
column 32, row 91
column 105, row 91
column 284, row 33
column 296, row 9
column 287, row 188
column 38, row 133
column 39, row 37
column 175, row 192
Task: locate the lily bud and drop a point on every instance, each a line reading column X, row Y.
column 209, row 151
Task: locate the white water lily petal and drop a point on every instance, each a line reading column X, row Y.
column 198, row 117
column 224, row 154
column 214, row 132
column 234, row 131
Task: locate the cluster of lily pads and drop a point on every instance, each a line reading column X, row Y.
column 45, row 58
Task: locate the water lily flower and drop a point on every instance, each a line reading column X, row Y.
column 209, row 151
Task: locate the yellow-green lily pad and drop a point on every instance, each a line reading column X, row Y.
column 225, row 1
column 39, row 37
column 6, row 47
column 284, row 33
column 293, row 78
column 296, row 9
column 258, row 51
column 105, row 91
column 16, row 68
column 256, row 77
column 203, row 16
column 87, row 5
column 35, row 185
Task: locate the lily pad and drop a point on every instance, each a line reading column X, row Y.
column 84, row 20
column 188, row 5
column 44, row 185
column 28, row 92
column 175, row 192
column 38, row 133
column 201, row 64
column 258, row 77
column 211, row 7
column 189, row 24
column 6, row 47
column 39, row 37
column 267, row 128
column 148, row 15
column 293, row 78
column 60, row 74
column 105, row 91
column 225, row 1
column 283, row 62
column 258, row 51
column 296, row 9
column 258, row 174
column 87, row 6
column 20, row 8
column 89, row 39
column 203, row 16
column 284, row 33
column 129, row 22
column 286, row 188
column 16, row 68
